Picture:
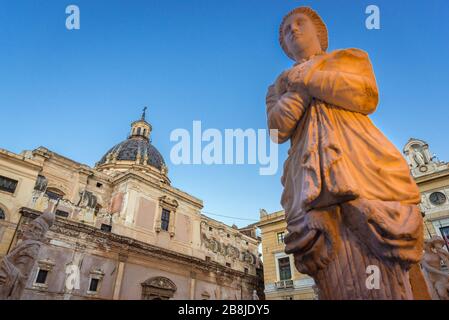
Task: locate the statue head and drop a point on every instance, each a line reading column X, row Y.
column 39, row 226
column 24, row 255
column 434, row 244
column 303, row 34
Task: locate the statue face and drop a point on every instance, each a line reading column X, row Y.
column 300, row 36
column 438, row 245
column 24, row 258
column 33, row 232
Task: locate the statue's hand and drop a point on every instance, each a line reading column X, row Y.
column 297, row 75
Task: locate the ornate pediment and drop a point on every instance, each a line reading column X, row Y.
column 421, row 160
column 168, row 203
column 160, row 283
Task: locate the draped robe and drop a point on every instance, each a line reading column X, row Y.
column 339, row 158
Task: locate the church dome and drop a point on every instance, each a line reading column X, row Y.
column 136, row 150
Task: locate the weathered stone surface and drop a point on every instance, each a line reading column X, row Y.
column 438, row 280
column 15, row 267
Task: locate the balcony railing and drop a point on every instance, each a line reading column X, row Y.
column 284, row 284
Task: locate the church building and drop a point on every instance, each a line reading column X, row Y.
column 122, row 231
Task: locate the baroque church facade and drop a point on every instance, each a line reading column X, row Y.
column 432, row 177
column 122, row 231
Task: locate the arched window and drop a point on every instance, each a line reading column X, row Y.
column 138, row 131
column 2, row 214
column 54, row 194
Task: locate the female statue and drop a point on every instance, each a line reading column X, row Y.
column 349, row 199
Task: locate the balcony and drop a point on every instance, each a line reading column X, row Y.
column 284, row 284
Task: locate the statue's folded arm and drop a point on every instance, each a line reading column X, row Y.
column 284, row 113
column 345, row 79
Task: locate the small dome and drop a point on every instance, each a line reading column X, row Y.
column 137, row 148
column 130, row 149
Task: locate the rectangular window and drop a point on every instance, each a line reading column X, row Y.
column 285, row 272
column 41, row 276
column 165, row 219
column 61, row 213
column 246, row 270
column 93, row 286
column 106, row 227
column 7, row 184
column 280, row 236
column 445, row 233
column 228, row 264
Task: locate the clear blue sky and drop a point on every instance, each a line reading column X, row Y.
column 76, row 92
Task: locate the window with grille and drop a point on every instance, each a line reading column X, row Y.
column 165, row 219
column 7, row 184
column 280, row 236
column 285, row 272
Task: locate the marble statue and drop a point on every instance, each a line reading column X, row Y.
column 419, row 158
column 16, row 266
column 433, row 256
column 255, row 296
column 349, row 199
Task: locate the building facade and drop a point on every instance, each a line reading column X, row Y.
column 282, row 280
column 432, row 178
column 122, row 231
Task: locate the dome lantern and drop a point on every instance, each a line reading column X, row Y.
column 141, row 128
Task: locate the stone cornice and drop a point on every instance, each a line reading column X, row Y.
column 70, row 164
column 32, row 164
column 122, row 243
column 271, row 220
column 228, row 229
column 432, row 176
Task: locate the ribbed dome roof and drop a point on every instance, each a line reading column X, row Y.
column 130, row 148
